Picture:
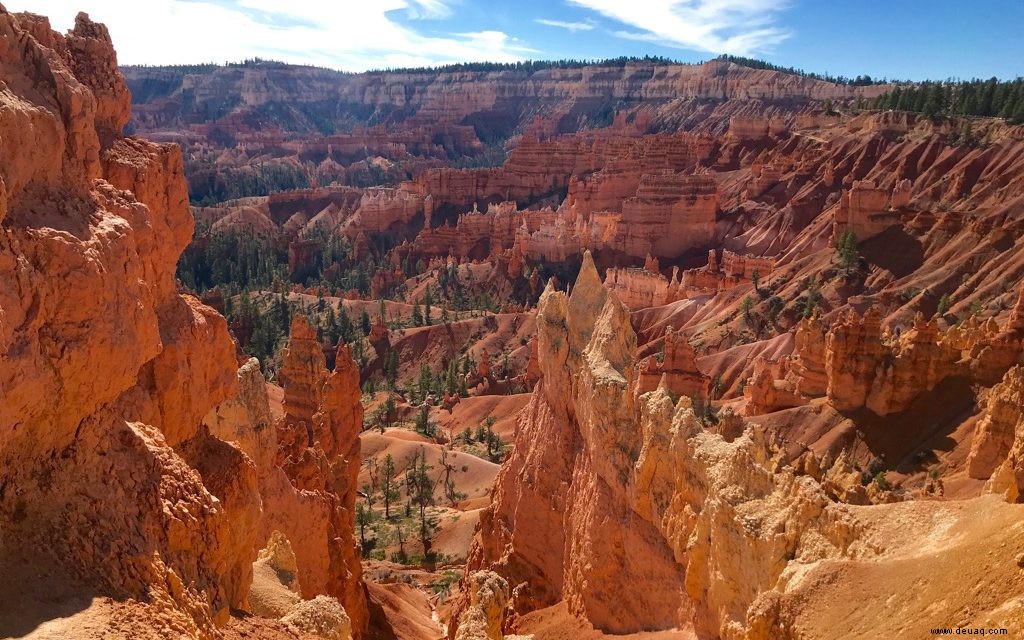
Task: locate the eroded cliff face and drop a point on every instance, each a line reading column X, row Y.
column 997, row 451
column 171, row 96
column 857, row 365
column 116, row 391
column 628, row 509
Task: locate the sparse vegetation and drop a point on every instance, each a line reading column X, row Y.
column 848, row 252
column 944, row 304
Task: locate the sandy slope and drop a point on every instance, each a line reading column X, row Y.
column 942, row 564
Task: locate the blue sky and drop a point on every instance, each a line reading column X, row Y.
column 912, row 39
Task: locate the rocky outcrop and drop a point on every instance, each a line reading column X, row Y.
column 808, row 367
column 640, row 288
column 867, row 210
column 275, row 588
column 483, row 619
column 744, row 128
column 313, row 489
column 133, row 451
column 997, row 450
column 105, row 464
column 857, row 365
column 734, row 270
column 675, row 369
column 303, row 372
column 321, row 617
column 626, row 510
column 767, row 390
column 630, row 511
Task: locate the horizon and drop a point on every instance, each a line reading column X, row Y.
column 545, row 63
column 910, row 41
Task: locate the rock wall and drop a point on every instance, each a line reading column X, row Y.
column 856, row 364
column 116, row 459
column 420, row 99
column 640, row 288
column 622, row 505
column 670, row 214
column 867, row 210
column 997, row 450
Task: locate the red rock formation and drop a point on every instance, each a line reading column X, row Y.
column 744, row 268
column 865, row 210
column 808, row 367
column 436, row 100
column 101, row 413
column 767, row 390
column 674, row 370
column 132, row 451
column 639, row 288
column 318, row 450
column 303, row 374
column 857, row 366
column 735, row 270
column 669, row 214
column 997, row 434
column 997, row 450
column 677, row 551
column 754, row 128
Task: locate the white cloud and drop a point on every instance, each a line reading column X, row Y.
column 353, row 35
column 571, row 26
column 429, row 9
column 740, row 27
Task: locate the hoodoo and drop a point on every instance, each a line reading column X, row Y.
column 637, row 515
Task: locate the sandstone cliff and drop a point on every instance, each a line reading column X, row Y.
column 107, row 373
column 638, row 517
column 176, row 96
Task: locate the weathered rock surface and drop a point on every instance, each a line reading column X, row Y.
column 322, row 617
column 638, row 518
column 310, row 493
column 275, row 586
column 483, row 619
column 998, row 446
column 133, row 451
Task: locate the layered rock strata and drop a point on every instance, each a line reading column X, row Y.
column 132, row 450
column 857, row 365
column 631, row 512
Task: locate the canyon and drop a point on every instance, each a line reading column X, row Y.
column 634, row 349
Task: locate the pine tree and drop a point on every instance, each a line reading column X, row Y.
column 389, row 485
column 391, row 368
column 848, row 251
column 363, row 519
column 417, row 314
column 423, row 424
column 747, row 309
column 451, row 377
column 428, row 299
column 421, row 487
column 448, row 466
